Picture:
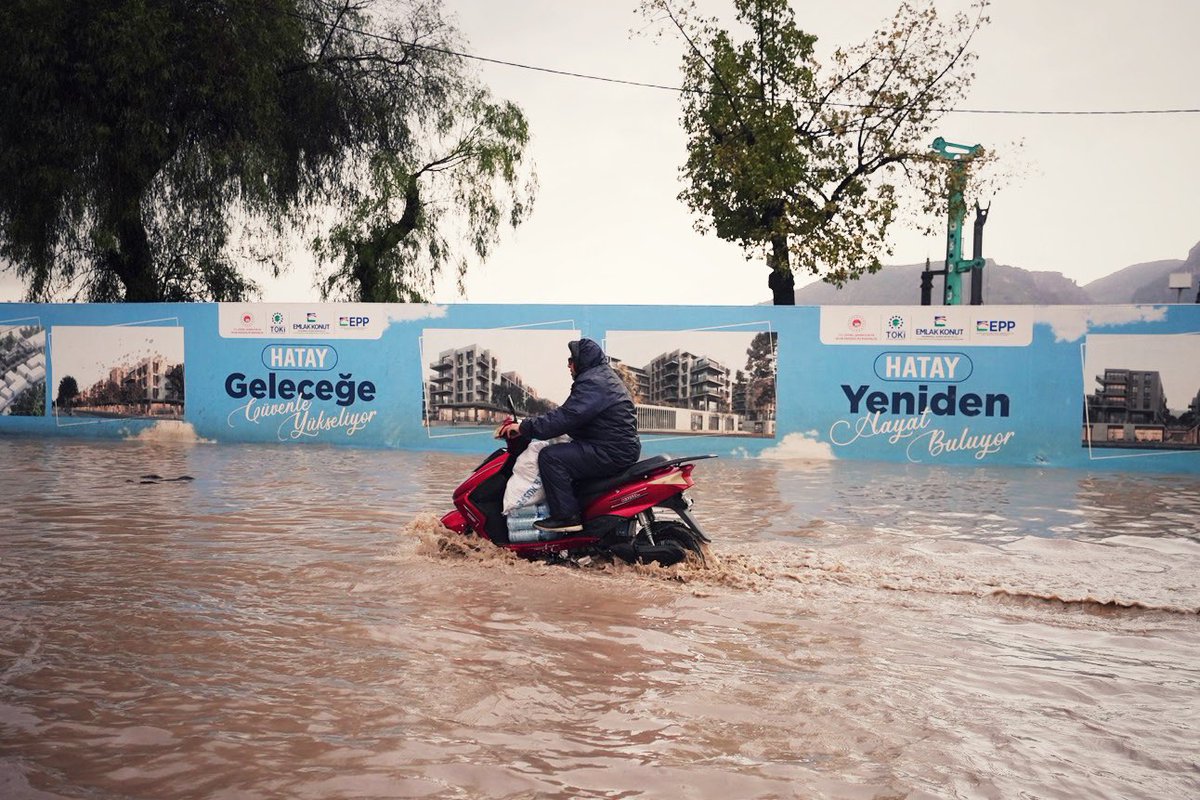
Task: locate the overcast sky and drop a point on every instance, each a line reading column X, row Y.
column 1095, row 194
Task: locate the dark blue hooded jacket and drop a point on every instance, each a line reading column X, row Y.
column 599, row 411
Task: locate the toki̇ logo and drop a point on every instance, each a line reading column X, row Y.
column 894, row 328
column 278, row 323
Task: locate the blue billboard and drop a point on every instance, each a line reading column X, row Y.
column 1112, row 387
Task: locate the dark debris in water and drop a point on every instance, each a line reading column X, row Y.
column 152, row 478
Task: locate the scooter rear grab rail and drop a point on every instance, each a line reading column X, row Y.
column 675, row 462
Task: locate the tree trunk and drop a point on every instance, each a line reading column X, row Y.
column 130, row 260
column 781, row 282
column 373, row 285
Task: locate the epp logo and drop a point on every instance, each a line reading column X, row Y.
column 353, row 322
column 995, row 325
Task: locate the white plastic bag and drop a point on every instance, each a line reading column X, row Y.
column 525, row 485
column 524, row 488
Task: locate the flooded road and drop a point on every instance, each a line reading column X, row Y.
column 291, row 624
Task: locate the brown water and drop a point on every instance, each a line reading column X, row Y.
column 291, row 625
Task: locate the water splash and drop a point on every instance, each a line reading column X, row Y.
column 169, row 430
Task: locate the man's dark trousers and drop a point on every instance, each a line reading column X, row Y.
column 561, row 464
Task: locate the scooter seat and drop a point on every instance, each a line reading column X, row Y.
column 588, row 489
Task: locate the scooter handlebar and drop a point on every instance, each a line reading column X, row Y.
column 509, row 429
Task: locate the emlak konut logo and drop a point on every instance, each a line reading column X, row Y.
column 311, row 324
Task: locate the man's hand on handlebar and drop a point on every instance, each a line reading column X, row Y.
column 509, row 429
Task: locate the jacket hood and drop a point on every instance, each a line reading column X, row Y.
column 586, row 354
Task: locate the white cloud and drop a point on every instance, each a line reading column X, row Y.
column 407, row 312
column 1071, row 323
column 800, row 446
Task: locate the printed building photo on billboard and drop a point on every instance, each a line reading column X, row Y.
column 1142, row 392
column 471, row 375
column 117, row 372
column 712, row 383
column 22, row 368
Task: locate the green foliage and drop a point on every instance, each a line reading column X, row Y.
column 761, row 360
column 31, row 402
column 439, row 202
column 150, row 149
column 806, row 163
column 629, row 379
column 68, row 390
column 524, row 402
column 175, row 382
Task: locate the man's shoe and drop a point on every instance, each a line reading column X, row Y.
column 560, row 524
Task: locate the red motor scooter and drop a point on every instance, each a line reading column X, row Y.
column 620, row 514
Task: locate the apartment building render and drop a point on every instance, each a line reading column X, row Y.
column 464, row 376
column 1128, row 396
column 149, row 376
column 685, row 380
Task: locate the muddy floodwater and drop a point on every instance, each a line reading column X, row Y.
column 291, row 624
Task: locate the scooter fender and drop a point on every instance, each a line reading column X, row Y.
column 456, row 522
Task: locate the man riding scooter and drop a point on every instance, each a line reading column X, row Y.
column 599, row 417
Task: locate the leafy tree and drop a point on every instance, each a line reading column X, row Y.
column 107, row 393
column 629, row 379
column 175, row 384
column 31, row 402
column 395, row 239
column 68, row 390
column 760, row 373
column 151, row 148
column 804, row 163
column 131, row 393
column 502, row 393
column 525, row 402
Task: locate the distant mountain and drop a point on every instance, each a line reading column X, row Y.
column 1146, row 283
column 1002, row 285
column 1005, row 285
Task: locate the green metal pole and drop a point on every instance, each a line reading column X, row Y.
column 956, row 265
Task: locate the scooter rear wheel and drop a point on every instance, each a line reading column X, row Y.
column 672, row 541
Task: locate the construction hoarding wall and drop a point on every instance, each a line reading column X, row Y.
column 1105, row 387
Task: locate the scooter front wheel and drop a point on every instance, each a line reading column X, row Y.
column 678, row 535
